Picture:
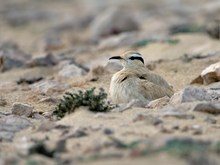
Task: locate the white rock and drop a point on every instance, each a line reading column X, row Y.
column 22, row 109
column 209, row 75
column 70, row 71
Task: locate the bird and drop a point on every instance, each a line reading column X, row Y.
column 136, row 82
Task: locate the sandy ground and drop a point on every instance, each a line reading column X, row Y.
column 106, row 138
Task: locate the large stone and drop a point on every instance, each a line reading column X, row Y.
column 190, row 94
column 208, row 107
column 11, row 56
column 43, row 60
column 22, row 109
column 209, row 75
column 70, row 71
column 111, row 22
column 9, row 125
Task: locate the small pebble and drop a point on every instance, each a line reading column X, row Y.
column 108, row 131
column 197, row 129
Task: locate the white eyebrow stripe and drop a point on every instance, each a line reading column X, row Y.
column 136, row 55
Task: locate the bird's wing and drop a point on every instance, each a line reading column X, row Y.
column 153, row 91
column 156, row 79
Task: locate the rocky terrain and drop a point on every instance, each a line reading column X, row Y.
column 48, row 48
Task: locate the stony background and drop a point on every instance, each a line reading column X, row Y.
column 50, row 47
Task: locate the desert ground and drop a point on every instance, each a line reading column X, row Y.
column 48, row 48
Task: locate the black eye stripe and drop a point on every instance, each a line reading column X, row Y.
column 137, row 58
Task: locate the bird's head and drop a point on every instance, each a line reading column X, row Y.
column 130, row 59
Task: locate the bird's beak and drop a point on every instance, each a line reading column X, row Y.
column 116, row 57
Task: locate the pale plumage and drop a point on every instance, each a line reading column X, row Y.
column 135, row 81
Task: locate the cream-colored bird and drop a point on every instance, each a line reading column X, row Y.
column 135, row 81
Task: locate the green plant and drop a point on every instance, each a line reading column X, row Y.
column 71, row 101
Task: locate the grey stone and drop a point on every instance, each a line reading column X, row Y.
column 190, row 94
column 12, row 56
column 210, row 120
column 108, row 131
column 208, row 107
column 42, row 60
column 9, row 125
column 180, row 111
column 22, row 109
column 19, row 121
column 113, row 21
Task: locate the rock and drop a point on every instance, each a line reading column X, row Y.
column 158, row 103
column 11, row 56
column 197, row 129
column 208, row 107
column 76, row 133
column 149, row 119
column 19, row 121
column 112, row 21
column 214, row 92
column 108, row 131
column 43, row 60
column 70, row 71
column 209, row 75
column 9, row 125
column 49, row 86
column 210, row 120
column 180, row 115
column 213, row 30
column 22, row 109
column 190, row 94
column 132, row 103
column 180, row 111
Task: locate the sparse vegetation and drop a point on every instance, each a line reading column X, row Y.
column 95, row 102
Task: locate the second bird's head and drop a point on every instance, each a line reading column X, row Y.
column 130, row 59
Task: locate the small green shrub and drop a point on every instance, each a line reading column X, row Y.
column 71, row 101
